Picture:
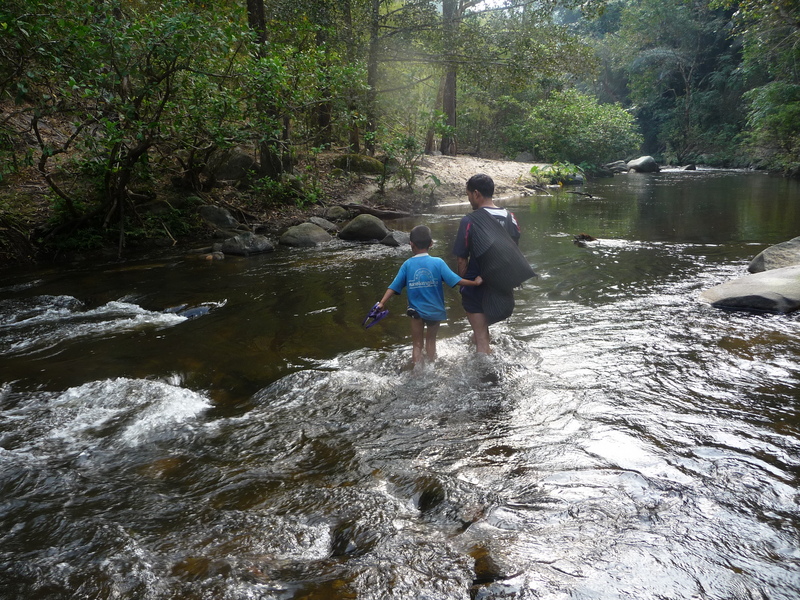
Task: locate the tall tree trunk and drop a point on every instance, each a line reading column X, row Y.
column 353, row 142
column 449, row 146
column 272, row 153
column 324, row 110
column 449, row 23
column 372, row 79
column 256, row 19
column 429, row 138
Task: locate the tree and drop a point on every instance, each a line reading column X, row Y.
column 123, row 76
column 771, row 33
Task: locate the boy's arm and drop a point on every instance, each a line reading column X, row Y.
column 389, row 293
column 471, row 283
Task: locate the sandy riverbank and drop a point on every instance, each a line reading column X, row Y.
column 509, row 176
column 441, row 179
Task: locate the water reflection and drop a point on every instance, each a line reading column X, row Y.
column 624, row 440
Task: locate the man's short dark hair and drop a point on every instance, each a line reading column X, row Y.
column 421, row 237
column 482, row 183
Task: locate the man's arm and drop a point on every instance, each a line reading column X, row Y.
column 461, row 265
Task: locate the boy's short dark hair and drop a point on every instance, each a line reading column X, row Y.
column 483, row 183
column 421, row 237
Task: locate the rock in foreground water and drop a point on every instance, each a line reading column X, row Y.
column 776, row 291
column 785, row 254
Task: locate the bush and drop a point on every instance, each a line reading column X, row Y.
column 573, row 127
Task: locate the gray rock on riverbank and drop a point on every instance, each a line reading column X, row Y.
column 364, row 228
column 643, row 164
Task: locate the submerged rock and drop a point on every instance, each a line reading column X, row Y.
column 305, row 235
column 775, row 291
column 396, row 238
column 785, row 254
column 246, row 244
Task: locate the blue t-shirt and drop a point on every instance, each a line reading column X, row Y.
column 423, row 274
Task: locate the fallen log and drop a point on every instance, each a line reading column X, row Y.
column 381, row 213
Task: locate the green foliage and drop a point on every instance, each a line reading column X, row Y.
column 288, row 190
column 168, row 221
column 571, row 126
column 774, row 125
column 557, row 173
column 402, row 153
column 120, row 93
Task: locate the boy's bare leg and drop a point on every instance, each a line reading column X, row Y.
column 417, row 340
column 480, row 329
column 430, row 341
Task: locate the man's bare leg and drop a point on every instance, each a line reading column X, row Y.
column 480, row 329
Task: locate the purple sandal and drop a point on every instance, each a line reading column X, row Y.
column 376, row 315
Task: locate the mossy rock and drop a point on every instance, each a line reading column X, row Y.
column 358, row 163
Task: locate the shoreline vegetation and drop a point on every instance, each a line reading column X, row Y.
column 118, row 125
column 29, row 209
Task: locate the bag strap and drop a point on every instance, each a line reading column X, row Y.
column 485, row 216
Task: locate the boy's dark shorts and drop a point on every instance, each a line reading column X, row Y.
column 472, row 298
column 415, row 315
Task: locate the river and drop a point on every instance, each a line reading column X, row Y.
column 623, row 441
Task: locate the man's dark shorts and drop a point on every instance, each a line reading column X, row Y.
column 472, row 298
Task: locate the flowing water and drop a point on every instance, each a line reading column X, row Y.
column 623, row 441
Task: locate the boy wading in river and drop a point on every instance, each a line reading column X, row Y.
column 423, row 274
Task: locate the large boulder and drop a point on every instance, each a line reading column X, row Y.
column 337, row 213
column 643, row 164
column 364, row 228
column 775, row 291
column 231, row 165
column 526, row 157
column 785, row 254
column 246, row 244
column 358, row 163
column 305, row 235
column 218, row 217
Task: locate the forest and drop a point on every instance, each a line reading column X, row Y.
column 107, row 104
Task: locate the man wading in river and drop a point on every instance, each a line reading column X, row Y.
column 486, row 245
